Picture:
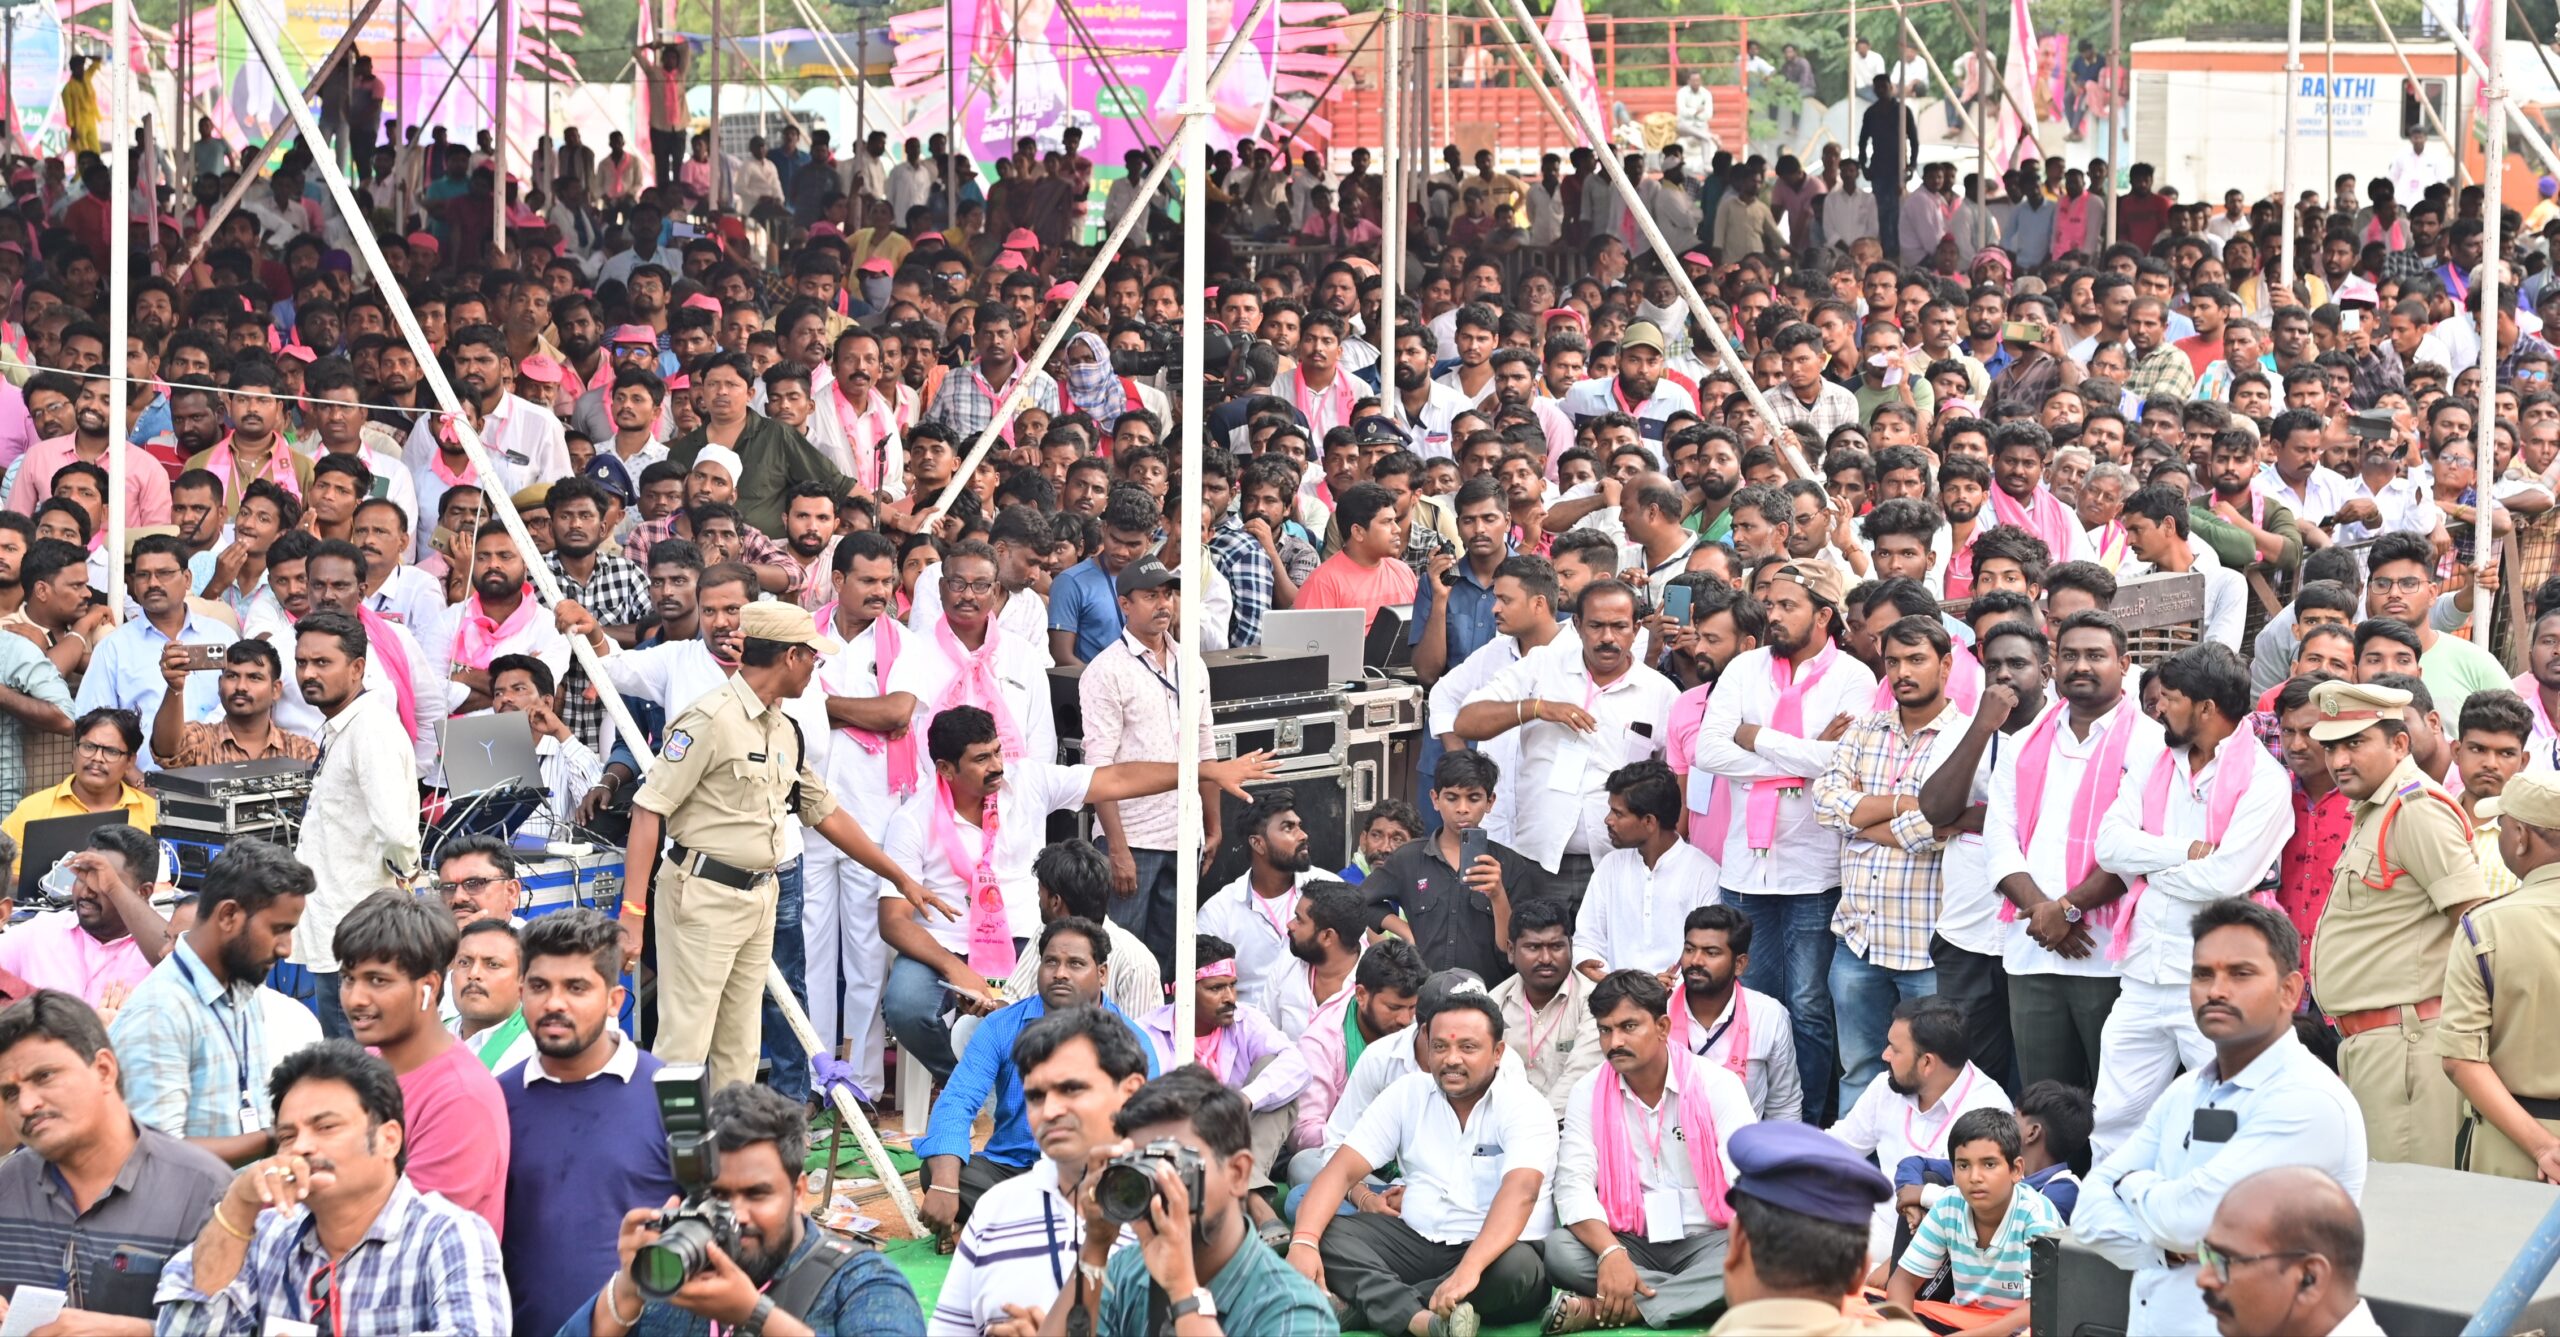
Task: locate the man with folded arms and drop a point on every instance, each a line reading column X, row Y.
column 1644, row 1217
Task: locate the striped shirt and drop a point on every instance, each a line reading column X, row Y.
column 1992, row 1276
column 1018, row 1248
column 423, row 1266
column 156, row 1204
column 1889, row 894
column 193, row 1051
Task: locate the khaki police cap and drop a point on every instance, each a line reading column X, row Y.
column 774, row 620
column 2349, row 708
column 2531, row 798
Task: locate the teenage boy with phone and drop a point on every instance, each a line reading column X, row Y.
column 1451, row 895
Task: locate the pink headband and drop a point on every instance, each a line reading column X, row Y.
column 1217, row 970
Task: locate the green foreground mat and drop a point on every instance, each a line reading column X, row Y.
column 925, row 1270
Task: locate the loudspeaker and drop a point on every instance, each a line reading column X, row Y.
column 1323, row 797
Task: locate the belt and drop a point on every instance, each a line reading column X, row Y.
column 2538, row 1107
column 2351, row 1024
column 697, row 864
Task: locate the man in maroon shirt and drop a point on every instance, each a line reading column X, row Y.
column 2141, row 214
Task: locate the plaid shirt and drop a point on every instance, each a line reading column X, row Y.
column 1888, row 893
column 1833, row 408
column 193, row 1052
column 1248, row 571
column 967, row 403
column 2163, row 371
column 755, row 547
column 618, row 595
column 423, row 1266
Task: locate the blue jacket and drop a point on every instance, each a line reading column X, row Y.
column 986, row 1068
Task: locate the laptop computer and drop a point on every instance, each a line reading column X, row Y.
column 490, row 752
column 47, row 839
column 1336, row 633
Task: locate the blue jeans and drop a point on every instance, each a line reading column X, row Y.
column 1791, row 961
column 790, row 1063
column 1866, row 997
column 913, row 1002
column 324, row 1001
column 1148, row 913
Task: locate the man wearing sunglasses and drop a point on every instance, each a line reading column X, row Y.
column 2263, row 1102
column 2283, row 1256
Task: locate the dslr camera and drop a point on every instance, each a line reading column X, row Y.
column 686, row 1234
column 1128, row 1186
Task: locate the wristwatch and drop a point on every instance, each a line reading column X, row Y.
column 1198, row 1302
column 754, row 1326
column 2070, row 913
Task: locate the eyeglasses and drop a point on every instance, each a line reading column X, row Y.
column 2220, row 1264
column 2401, row 585
column 469, row 886
column 959, row 586
column 102, row 751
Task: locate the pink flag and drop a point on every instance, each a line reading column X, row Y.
column 2483, row 15
column 1571, row 38
column 2012, row 138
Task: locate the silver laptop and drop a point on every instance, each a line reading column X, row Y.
column 1336, row 633
column 486, row 752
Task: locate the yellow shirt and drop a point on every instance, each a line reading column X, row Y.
column 140, row 809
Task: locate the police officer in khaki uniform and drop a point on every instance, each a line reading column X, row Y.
column 2378, row 956
column 2500, row 1034
column 1797, row 1178
column 732, row 765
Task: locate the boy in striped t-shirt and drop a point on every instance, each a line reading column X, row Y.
column 1978, row 1235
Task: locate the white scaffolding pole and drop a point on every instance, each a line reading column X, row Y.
column 2462, row 173
column 2493, row 189
column 121, row 91
column 262, row 41
column 1391, row 200
column 1194, row 675
column 505, row 60
column 2523, row 124
column 1662, row 249
column 2292, row 90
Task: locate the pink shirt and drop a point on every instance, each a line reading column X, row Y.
column 1680, row 748
column 146, row 480
column 457, row 1130
column 1341, row 583
column 52, row 951
column 1322, row 1049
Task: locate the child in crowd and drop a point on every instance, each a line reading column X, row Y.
column 1978, row 1236
column 2053, row 1152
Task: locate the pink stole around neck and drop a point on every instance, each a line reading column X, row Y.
column 1964, row 683
column 395, row 665
column 2235, row 761
column 990, row 935
column 2089, row 802
column 900, row 750
column 975, row 684
column 1620, row 1186
column 1760, row 811
column 2049, row 519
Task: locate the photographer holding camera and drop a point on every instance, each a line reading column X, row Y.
column 783, row 1275
column 1178, row 1177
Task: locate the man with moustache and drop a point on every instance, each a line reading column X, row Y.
column 2405, row 878
column 523, row 438
column 486, row 985
column 1253, row 912
column 1423, row 406
column 1242, row 1049
column 393, row 587
column 1721, row 626
column 1644, row 1218
column 1528, row 608
column 1741, row 1030
column 252, row 682
column 2270, row 1103
column 2046, row 789
column 398, row 666
column 608, row 586
column 2299, row 1218
column 361, row 829
column 584, row 1075
column 856, row 425
column 1559, row 1044
column 2492, row 748
column 501, row 617
column 1967, row 946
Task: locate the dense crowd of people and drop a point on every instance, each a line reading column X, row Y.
column 1765, row 797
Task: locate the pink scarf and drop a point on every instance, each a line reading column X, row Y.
column 1964, row 683
column 2043, row 516
column 1621, row 1189
column 869, row 456
column 2234, row 761
column 1334, row 401
column 990, row 937
column 1760, row 815
column 901, row 750
column 395, row 662
column 1737, row 1053
column 2089, row 803
column 476, row 640
column 976, row 684
column 279, row 469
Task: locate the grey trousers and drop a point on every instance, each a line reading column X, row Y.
column 1386, row 1272
column 1687, row 1275
column 2057, row 1020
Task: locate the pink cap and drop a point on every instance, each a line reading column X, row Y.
column 703, row 301
column 1010, row 260
column 923, row 237
column 1698, row 258
column 538, row 368
column 299, row 353
column 634, row 334
column 878, row 264
column 823, row 228
column 425, row 241
column 1059, row 292
column 13, row 248
column 1022, row 239
column 679, row 381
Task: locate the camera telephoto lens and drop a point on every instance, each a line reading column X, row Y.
column 662, row 1268
column 1124, row 1190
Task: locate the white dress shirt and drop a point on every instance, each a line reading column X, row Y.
column 1969, row 907
column 1660, row 1165
column 1803, row 856
column 2043, row 859
column 1032, row 790
column 362, row 821
column 1294, row 1004
column 2164, row 944
column 2157, row 1193
column 1563, row 796
column 2316, row 500
column 1769, row 1066
column 525, row 442
column 1453, row 1168
column 1451, row 693
column 1631, row 913
column 411, row 596
column 1258, row 928
column 1895, row 1127
column 1388, row 1059
column 859, row 777
column 569, row 769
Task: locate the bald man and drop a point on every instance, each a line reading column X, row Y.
column 2282, row 1256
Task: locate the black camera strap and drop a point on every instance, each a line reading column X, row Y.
column 799, row 1288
